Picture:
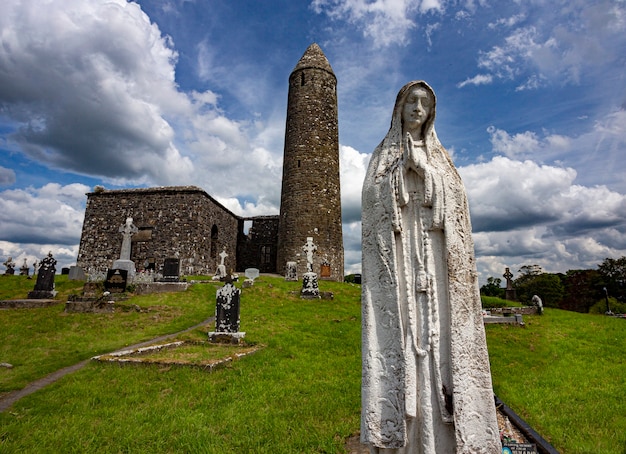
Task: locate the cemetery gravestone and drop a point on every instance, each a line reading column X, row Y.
column 44, row 287
column 325, row 270
column 291, row 271
column 310, row 288
column 227, row 321
column 220, row 273
column 536, row 301
column 171, row 270
column 251, row 274
column 76, row 274
column 10, row 264
column 510, row 293
column 24, row 270
column 124, row 262
column 116, row 280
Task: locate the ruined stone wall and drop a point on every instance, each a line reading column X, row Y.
column 311, row 197
column 182, row 222
column 258, row 248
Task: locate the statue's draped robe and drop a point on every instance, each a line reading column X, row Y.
column 426, row 379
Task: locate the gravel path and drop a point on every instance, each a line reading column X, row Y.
column 9, row 399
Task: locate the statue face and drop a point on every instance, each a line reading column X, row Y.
column 417, row 107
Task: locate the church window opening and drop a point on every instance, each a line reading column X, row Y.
column 214, row 238
column 266, row 255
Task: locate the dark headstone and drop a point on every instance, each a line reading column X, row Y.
column 24, row 271
column 171, row 270
column 65, row 271
column 116, row 280
column 227, row 309
column 357, row 278
column 44, row 287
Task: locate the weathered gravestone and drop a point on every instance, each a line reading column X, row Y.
column 24, row 270
column 227, row 306
column 291, row 271
column 510, row 293
column 171, row 270
column 124, row 262
column 426, row 383
column 220, row 273
column 536, row 301
column 251, row 274
column 44, row 287
column 116, row 280
column 325, row 270
column 10, row 264
column 76, row 274
column 310, row 288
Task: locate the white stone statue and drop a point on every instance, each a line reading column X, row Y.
column 426, row 384
column 127, row 231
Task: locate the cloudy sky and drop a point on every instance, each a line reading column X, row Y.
column 531, row 105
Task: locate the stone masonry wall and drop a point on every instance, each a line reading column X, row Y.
column 183, row 222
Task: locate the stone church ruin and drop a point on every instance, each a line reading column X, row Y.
column 186, row 223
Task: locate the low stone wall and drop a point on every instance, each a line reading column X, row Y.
column 160, row 287
column 90, row 306
column 28, row 303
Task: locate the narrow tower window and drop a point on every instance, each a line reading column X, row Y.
column 298, row 163
column 214, row 238
column 302, row 78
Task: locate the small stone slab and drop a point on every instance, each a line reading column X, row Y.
column 519, row 448
column 226, row 338
column 252, row 273
column 514, row 320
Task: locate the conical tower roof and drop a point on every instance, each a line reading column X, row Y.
column 313, row 58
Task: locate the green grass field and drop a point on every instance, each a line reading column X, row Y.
column 563, row 373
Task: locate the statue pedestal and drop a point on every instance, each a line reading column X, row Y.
column 127, row 265
column 310, row 289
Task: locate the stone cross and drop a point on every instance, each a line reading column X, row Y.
column 10, row 264
column 309, row 248
column 127, row 231
column 223, row 256
column 508, row 276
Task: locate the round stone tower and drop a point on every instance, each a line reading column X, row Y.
column 310, row 204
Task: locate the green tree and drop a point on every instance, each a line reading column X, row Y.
column 613, row 272
column 492, row 287
column 583, row 288
column 547, row 286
